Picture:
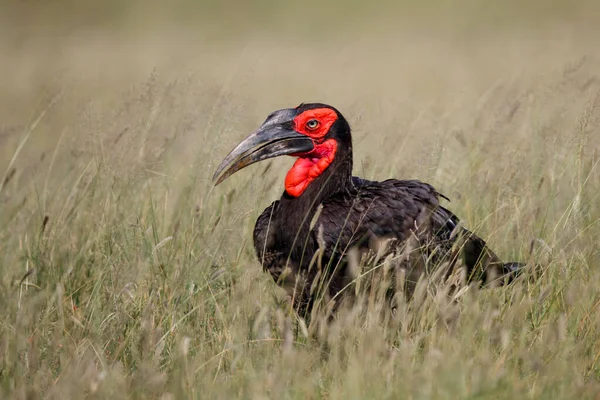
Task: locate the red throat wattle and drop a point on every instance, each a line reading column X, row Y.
column 315, row 124
column 309, row 166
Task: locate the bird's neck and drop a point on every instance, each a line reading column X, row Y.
column 299, row 211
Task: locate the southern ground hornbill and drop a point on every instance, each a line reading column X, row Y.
column 325, row 214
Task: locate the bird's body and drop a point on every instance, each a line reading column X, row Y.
column 304, row 238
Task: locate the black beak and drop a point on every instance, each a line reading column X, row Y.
column 275, row 137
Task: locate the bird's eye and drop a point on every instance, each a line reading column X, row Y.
column 312, row 124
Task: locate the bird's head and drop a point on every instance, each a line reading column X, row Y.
column 314, row 133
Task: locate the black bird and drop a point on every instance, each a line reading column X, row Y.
column 325, row 207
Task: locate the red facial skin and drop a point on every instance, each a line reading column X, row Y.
column 312, row 164
column 325, row 116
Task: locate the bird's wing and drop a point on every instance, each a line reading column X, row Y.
column 397, row 210
column 386, row 209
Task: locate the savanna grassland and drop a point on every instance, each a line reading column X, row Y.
column 126, row 274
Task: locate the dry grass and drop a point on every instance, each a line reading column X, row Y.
column 126, row 274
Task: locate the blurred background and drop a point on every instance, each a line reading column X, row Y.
column 118, row 255
column 472, row 96
column 413, row 62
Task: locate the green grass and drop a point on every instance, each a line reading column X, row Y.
column 126, row 274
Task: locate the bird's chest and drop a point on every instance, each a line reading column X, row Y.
column 282, row 240
column 294, row 241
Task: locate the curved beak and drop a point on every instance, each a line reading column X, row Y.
column 274, row 138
